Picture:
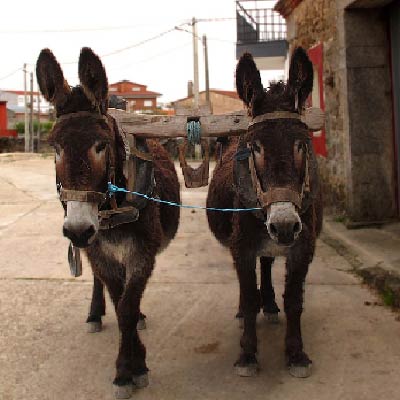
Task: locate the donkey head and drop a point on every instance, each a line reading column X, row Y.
column 278, row 142
column 83, row 138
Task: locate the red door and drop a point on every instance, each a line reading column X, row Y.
column 316, row 98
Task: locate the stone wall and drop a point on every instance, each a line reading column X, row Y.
column 313, row 22
column 16, row 145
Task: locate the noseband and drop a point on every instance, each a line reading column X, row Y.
column 114, row 216
column 273, row 194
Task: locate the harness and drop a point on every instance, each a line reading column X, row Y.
column 137, row 170
column 247, row 183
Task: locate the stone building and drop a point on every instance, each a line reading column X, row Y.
column 222, row 101
column 355, row 48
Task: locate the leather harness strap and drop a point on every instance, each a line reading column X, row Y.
column 278, row 194
column 116, row 215
column 82, row 195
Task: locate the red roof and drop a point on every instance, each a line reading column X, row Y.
column 20, row 92
column 125, row 90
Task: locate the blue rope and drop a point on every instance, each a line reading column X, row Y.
column 114, row 189
column 193, row 129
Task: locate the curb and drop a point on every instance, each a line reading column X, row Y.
column 376, row 273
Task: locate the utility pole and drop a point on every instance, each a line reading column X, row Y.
column 31, row 115
column 206, row 69
column 195, row 65
column 26, row 131
column 38, row 120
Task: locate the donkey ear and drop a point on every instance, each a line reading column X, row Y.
column 248, row 80
column 50, row 78
column 93, row 77
column 301, row 76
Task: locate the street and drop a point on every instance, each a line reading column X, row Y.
column 192, row 337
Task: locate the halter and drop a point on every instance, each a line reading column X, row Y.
column 284, row 193
column 116, row 215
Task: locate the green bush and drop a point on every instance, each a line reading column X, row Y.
column 45, row 127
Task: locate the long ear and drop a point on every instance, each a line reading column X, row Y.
column 50, row 78
column 248, row 80
column 301, row 76
column 93, row 77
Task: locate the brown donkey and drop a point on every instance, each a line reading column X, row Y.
column 271, row 167
column 90, row 152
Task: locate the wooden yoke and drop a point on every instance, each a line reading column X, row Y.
column 195, row 177
column 132, row 169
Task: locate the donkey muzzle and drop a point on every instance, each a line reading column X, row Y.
column 283, row 223
column 81, row 223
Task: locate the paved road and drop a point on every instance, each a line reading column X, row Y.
column 192, row 337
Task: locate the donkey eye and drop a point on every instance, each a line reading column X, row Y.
column 257, row 147
column 100, row 147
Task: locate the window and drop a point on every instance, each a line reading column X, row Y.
column 136, row 89
column 132, row 102
column 112, row 89
column 148, row 103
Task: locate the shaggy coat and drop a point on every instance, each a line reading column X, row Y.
column 282, row 151
column 90, row 152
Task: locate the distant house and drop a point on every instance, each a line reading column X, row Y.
column 138, row 98
column 222, row 101
column 16, row 102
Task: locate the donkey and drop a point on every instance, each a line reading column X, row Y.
column 89, row 152
column 271, row 167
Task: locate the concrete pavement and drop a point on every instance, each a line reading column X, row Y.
column 192, row 338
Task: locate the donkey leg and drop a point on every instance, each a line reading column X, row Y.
column 270, row 308
column 97, row 307
column 297, row 360
column 247, row 364
column 131, row 364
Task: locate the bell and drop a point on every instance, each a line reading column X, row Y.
column 74, row 260
column 195, row 177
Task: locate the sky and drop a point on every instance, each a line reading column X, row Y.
column 116, row 30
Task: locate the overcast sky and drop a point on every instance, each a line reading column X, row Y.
column 164, row 64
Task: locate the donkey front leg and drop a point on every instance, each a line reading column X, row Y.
column 297, row 360
column 245, row 265
column 97, row 307
column 131, row 363
column 270, row 308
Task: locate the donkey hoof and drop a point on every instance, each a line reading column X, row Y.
column 140, row 381
column 272, row 318
column 239, row 317
column 141, row 324
column 123, row 392
column 300, row 371
column 94, row 326
column 246, row 366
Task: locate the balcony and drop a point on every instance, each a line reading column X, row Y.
column 261, row 31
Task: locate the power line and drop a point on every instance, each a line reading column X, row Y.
column 122, row 67
column 10, row 74
column 72, row 30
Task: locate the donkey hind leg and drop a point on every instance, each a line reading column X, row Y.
column 131, row 363
column 247, row 364
column 267, row 293
column 297, row 360
column 97, row 307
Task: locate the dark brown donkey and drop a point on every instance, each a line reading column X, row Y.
column 272, row 167
column 90, row 152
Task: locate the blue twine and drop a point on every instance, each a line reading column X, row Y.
column 114, row 189
column 193, row 129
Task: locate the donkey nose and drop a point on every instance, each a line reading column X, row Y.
column 80, row 236
column 284, row 224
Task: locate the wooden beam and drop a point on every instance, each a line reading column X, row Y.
column 160, row 126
